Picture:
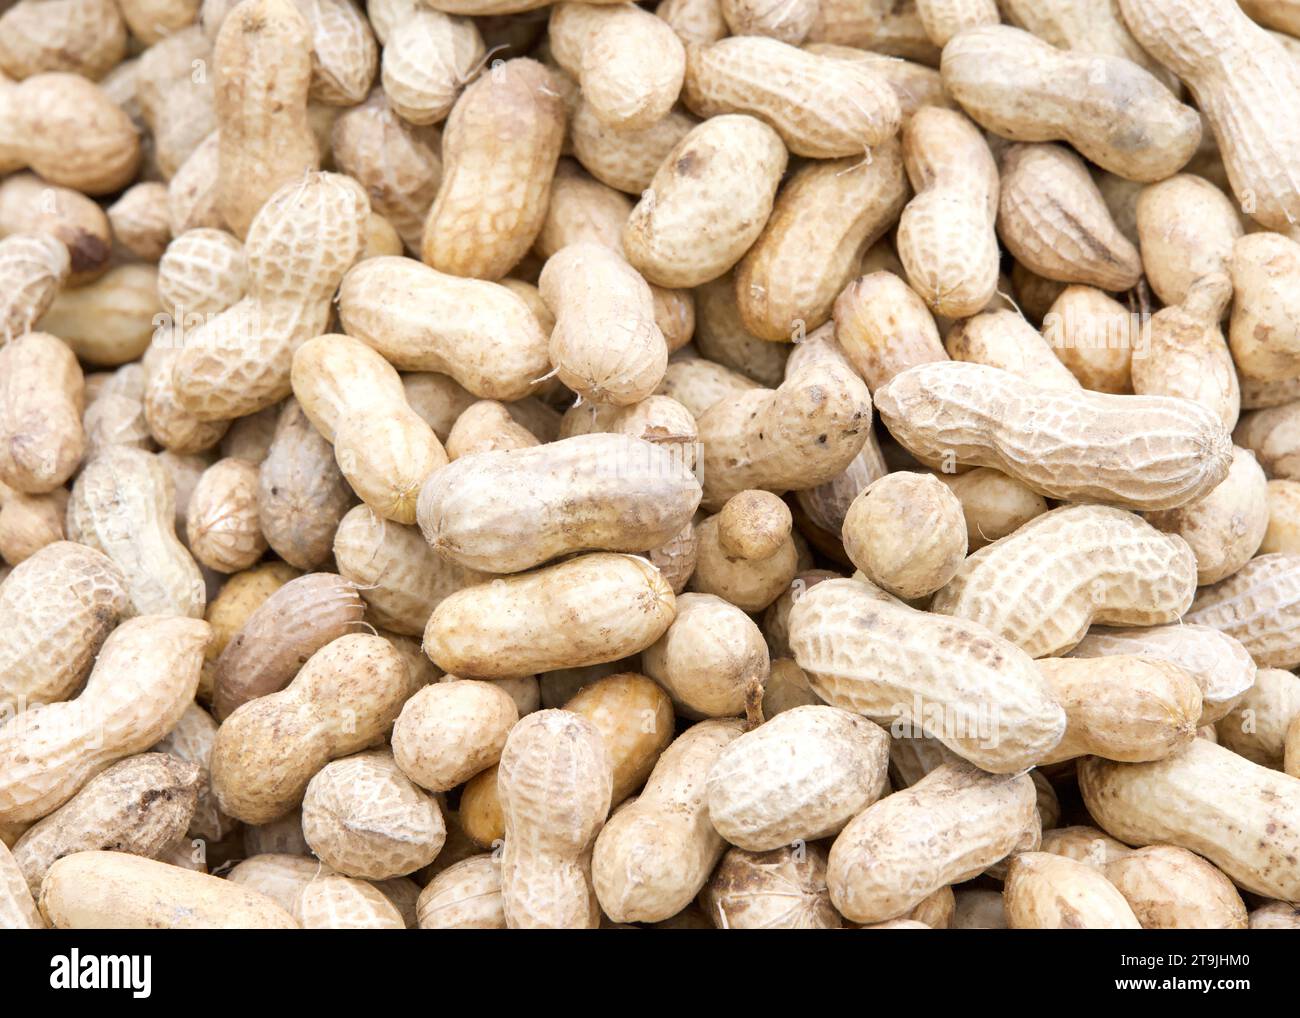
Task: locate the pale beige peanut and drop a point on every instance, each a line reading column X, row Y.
column 18, row 909
column 448, row 732
column 776, row 620
column 952, row 824
column 1051, row 892
column 191, row 741
column 427, row 63
column 1170, row 888
column 141, row 805
column 364, row 817
column 344, row 55
column 753, row 580
column 721, row 335
column 1242, row 817
column 1120, row 570
column 355, row 399
column 1259, row 606
column 1283, row 533
column 581, row 208
column 626, row 160
column 41, row 400
column 1225, row 528
column 299, row 246
column 1053, row 219
column 656, row 853
column 145, row 675
column 278, row 875
column 783, row 889
column 30, row 205
column 916, row 657
column 1098, row 339
column 57, row 607
column 907, row 533
column 629, row 64
column 1004, row 339
column 115, row 411
column 976, row 415
column 884, row 327
column 262, row 64
column 249, row 437
column 524, row 624
column 697, row 383
column 1084, row 844
column 30, row 522
column 1117, row 114
column 175, row 94
column 481, row 334
column 1271, row 434
column 915, row 85
column 67, row 129
column 1291, row 758
column 202, row 272
column 500, row 148
column 555, row 781
column 946, row 237
column 942, row 19
column 611, row 492
column 286, row 627
column 1187, row 228
column 111, row 320
column 98, row 890
column 1265, row 342
column 1275, row 915
column 86, row 37
column 694, row 21
column 192, row 194
column 707, row 202
column 822, row 107
column 832, row 766
column 335, row 902
column 222, row 529
column 465, row 896
column 1242, row 81
column 660, row 420
column 1256, row 727
column 267, row 751
column 828, row 503
column 825, row 217
column 33, row 268
column 978, row 910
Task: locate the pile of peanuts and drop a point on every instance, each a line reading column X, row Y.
column 714, row 464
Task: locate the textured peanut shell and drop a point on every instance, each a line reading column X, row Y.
column 428, row 62
column 1097, row 338
column 862, row 650
column 587, row 610
column 18, row 909
column 1256, row 727
column 626, row 160
column 86, row 37
column 30, row 522
column 951, row 825
column 1242, row 817
column 1283, row 533
column 697, row 383
column 110, row 320
column 1276, row 915
column 335, row 902
column 721, row 336
column 145, row 676
column 980, row 416
column 30, row 205
column 33, row 268
column 1051, row 892
column 450, row 731
column 222, row 528
column 464, row 896
column 1187, row 228
column 1259, row 605
column 1171, row 888
column 602, row 491
column 191, row 741
column 884, row 327
column 750, row 584
column 1271, row 434
column 1006, row 340
column 41, row 398
column 113, row 890
column 655, row 854
column 784, row 889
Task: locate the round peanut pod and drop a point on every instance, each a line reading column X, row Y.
column 1122, row 571
column 932, row 543
column 694, row 21
column 1283, row 533
column 1242, row 817
column 280, row 635
column 98, row 890
column 86, row 37
column 1004, row 339
column 655, row 854
column 139, row 221
column 712, row 660
column 786, row 22
column 952, row 824
column 335, row 902
column 465, row 896
column 427, row 63
column 140, row 805
column 838, row 770
column 749, row 583
column 598, row 491
column 1256, row 727
column 884, row 328
column 1170, row 888
column 238, row 598
column 1265, row 269
column 169, row 422
column 222, row 528
column 913, row 664
column 994, row 504
column 782, row 889
column 1186, row 228
column 1221, row 666
column 1122, row 708
column 1051, row 892
column 1097, row 338
column 550, row 823
column 41, row 397
column 1276, row 915
column 1258, row 606
column 487, row 427
column 363, row 817
column 448, row 732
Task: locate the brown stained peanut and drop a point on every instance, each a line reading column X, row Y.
column 222, row 529
column 825, row 217
column 823, row 108
column 1051, row 892
column 1170, row 888
column 500, row 148
column 29, row 205
column 783, row 889
column 529, row 623
column 267, row 751
column 884, row 328
column 555, row 782
column 970, row 414
column 262, row 63
column 707, row 202
column 951, row 825
column 33, row 268
column 280, row 635
column 907, row 533
column 1107, row 566
column 1257, row 605
column 41, row 400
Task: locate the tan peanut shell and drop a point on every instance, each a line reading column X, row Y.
column 18, row 909
column 1256, row 727
column 30, row 522
column 1270, row 433
column 98, row 890
column 222, row 529
column 500, row 149
column 448, row 732
column 952, row 824
column 920, row 666
column 145, row 675
column 86, row 37
column 784, row 889
column 555, row 781
column 1265, row 342
column 30, row 205
column 1275, row 915
column 1186, row 454
column 626, row 160
column 825, row 217
column 635, row 718
column 1242, row 817
column 655, row 854
column 1050, row 892
column 363, row 817
column 1004, row 339
column 721, row 335
column 464, row 896
column 487, row 426
column 427, row 63
column 202, row 272
column 33, row 268
column 1257, row 605
column 1187, row 228
column 191, row 741
column 110, row 320
column 884, row 327
column 41, row 398
column 481, row 334
column 601, row 491
column 1283, row 533
column 1170, row 888
column 335, row 902
column 1097, row 338
column 527, row 623
column 822, row 107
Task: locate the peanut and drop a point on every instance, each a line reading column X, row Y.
column 1051, row 892
column 781, row 889
column 1005, row 340
column 465, row 896
column 29, row 204
column 1170, row 888
column 1265, row 342
column 884, row 328
column 335, row 902
column 33, row 268
column 428, row 62
column 1187, row 228
column 1256, row 605
column 222, row 528
column 41, row 399
column 1098, row 339
column 191, row 741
